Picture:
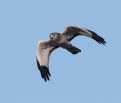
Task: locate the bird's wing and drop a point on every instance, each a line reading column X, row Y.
column 72, row 31
column 44, row 49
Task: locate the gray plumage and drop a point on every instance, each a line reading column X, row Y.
column 44, row 48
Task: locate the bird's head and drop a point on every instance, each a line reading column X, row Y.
column 55, row 36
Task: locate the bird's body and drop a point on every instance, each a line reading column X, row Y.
column 44, row 48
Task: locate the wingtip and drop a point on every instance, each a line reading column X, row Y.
column 44, row 71
column 97, row 38
column 45, row 74
column 100, row 40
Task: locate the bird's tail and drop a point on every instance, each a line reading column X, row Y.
column 73, row 49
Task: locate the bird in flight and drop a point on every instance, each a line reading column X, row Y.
column 45, row 48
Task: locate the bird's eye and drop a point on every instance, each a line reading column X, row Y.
column 51, row 36
column 54, row 36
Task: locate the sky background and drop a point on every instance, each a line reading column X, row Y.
column 92, row 76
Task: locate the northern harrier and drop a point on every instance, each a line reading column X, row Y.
column 44, row 48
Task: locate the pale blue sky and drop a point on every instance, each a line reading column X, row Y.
column 92, row 76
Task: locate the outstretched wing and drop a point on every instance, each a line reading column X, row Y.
column 44, row 49
column 72, row 31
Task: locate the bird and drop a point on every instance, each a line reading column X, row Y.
column 61, row 39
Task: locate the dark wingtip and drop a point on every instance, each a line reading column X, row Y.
column 97, row 38
column 45, row 74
